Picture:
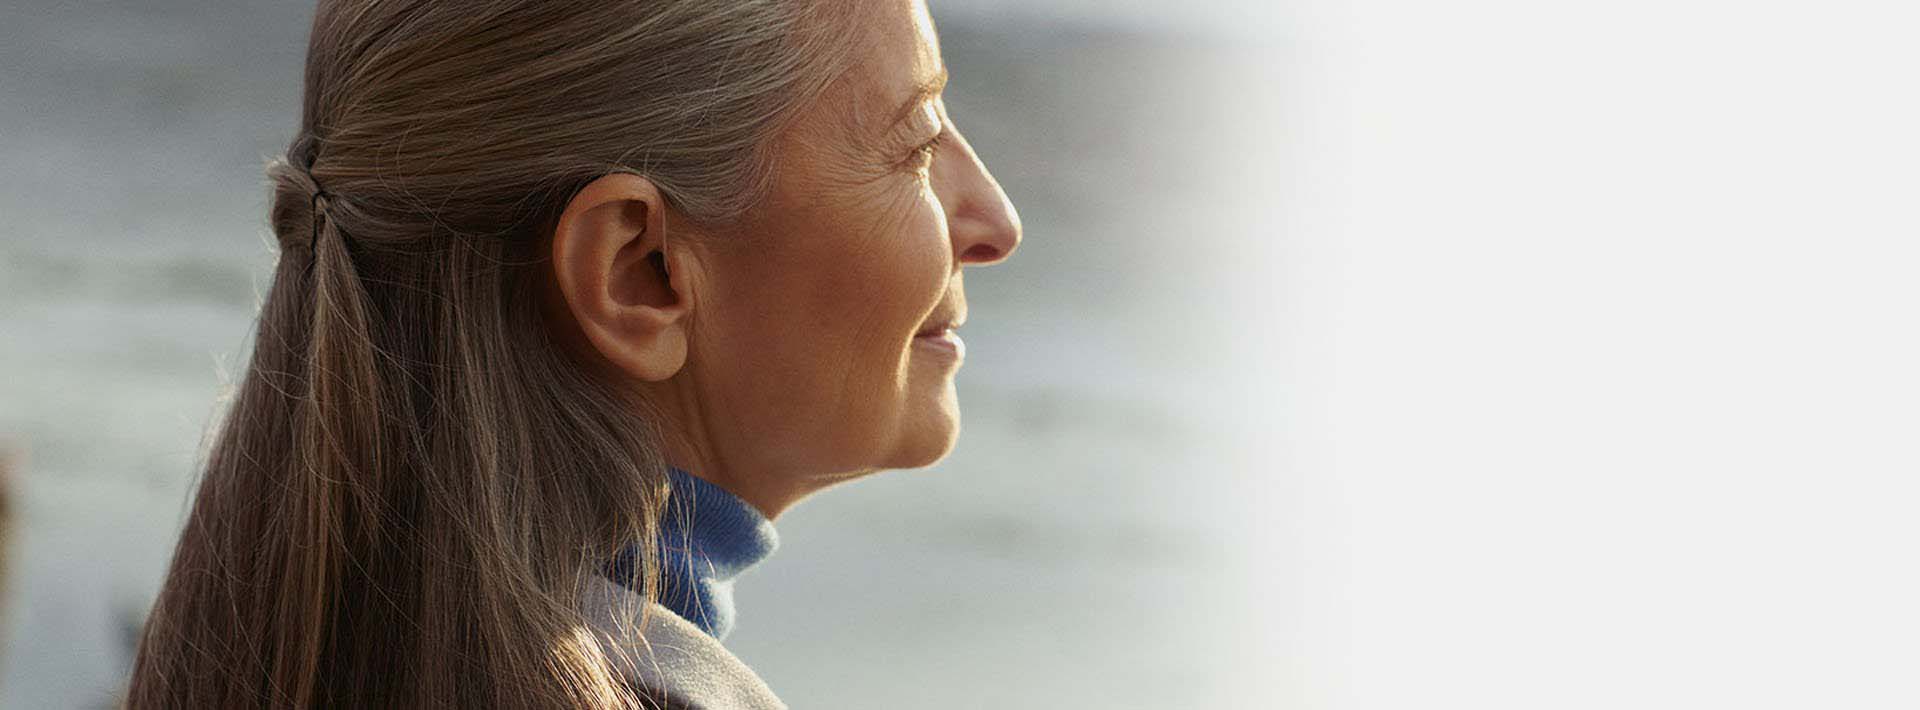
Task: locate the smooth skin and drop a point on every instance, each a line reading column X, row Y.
column 781, row 354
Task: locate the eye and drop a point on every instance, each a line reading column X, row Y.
column 923, row 155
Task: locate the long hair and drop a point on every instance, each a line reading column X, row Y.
column 415, row 477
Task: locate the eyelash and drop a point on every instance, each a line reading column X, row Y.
column 923, row 155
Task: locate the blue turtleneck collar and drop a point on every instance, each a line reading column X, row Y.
column 708, row 536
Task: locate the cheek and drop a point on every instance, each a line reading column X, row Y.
column 892, row 275
column 902, row 278
column 830, row 322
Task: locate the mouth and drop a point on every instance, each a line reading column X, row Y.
column 938, row 340
column 940, row 326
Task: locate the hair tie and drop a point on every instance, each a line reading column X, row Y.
column 314, row 212
column 310, row 151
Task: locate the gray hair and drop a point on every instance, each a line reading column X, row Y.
column 413, row 477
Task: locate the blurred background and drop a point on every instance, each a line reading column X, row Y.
column 1096, row 539
column 1360, row 354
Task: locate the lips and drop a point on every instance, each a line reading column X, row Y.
column 941, row 325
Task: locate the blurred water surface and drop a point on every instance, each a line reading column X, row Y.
column 1102, row 537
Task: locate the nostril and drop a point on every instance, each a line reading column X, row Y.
column 981, row 252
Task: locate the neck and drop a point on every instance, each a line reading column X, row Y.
column 694, row 443
column 695, row 446
column 708, row 537
column 701, row 461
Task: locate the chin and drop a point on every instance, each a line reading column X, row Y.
column 924, row 456
column 929, row 436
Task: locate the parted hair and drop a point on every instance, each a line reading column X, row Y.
column 413, row 478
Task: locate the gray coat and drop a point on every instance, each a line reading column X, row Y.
column 672, row 661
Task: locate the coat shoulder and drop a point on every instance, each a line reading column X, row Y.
column 667, row 658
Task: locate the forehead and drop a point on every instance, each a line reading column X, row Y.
column 901, row 58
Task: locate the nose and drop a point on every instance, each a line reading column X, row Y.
column 981, row 221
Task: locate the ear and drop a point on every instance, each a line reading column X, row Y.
column 625, row 281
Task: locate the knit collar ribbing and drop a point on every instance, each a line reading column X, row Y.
column 708, row 537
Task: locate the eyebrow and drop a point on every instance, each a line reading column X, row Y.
column 922, row 93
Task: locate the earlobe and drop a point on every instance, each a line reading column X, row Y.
column 614, row 265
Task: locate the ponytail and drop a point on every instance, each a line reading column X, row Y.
column 340, row 449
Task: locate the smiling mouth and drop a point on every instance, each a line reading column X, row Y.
column 940, row 327
column 945, row 343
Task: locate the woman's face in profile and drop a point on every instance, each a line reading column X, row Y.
column 804, row 352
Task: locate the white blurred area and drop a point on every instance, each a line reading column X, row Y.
column 1609, row 354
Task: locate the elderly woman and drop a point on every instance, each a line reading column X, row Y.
column 575, row 299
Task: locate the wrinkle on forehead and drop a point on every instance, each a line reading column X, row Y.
column 844, row 147
column 903, row 57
